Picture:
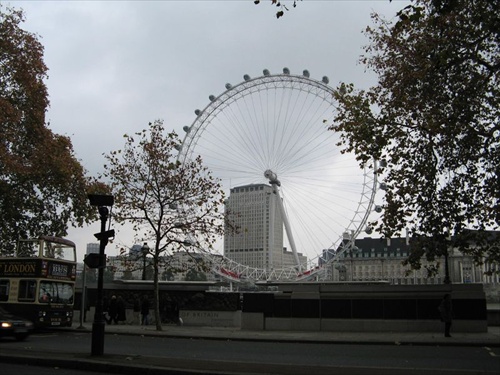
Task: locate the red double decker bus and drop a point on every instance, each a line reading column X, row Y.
column 38, row 282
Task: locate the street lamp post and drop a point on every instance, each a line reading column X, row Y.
column 98, row 324
column 83, row 304
column 447, row 279
column 102, row 202
column 145, row 250
column 446, row 247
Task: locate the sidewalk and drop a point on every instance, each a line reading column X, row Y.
column 490, row 338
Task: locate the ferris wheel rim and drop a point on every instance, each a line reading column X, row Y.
column 227, row 267
column 214, row 106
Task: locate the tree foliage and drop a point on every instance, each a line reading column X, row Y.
column 433, row 118
column 167, row 203
column 281, row 5
column 194, row 275
column 42, row 184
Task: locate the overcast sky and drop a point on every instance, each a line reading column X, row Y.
column 114, row 66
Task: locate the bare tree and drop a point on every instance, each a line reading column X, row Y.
column 168, row 204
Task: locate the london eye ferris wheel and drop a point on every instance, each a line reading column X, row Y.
column 273, row 129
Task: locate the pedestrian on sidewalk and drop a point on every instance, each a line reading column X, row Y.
column 136, row 311
column 446, row 311
column 105, row 309
column 145, row 310
column 113, row 311
column 121, row 310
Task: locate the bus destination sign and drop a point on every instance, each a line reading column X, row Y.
column 37, row 268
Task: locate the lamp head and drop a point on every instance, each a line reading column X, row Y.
column 101, row 200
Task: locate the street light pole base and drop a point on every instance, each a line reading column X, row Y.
column 98, row 338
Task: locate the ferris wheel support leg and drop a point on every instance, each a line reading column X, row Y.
column 270, row 245
column 287, row 227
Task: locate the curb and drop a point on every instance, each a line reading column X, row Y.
column 291, row 338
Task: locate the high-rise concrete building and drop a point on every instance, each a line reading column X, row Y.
column 92, row 248
column 258, row 239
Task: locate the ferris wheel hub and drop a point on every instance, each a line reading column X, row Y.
column 273, row 177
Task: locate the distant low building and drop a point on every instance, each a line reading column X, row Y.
column 382, row 260
column 174, row 267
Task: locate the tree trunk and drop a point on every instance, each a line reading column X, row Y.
column 156, row 292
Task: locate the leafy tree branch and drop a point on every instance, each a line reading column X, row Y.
column 433, row 118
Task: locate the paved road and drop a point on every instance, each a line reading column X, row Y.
column 27, row 369
column 263, row 357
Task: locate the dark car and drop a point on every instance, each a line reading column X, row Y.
column 14, row 326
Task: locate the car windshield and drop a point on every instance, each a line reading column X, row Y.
column 3, row 311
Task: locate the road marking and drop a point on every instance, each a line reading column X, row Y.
column 490, row 351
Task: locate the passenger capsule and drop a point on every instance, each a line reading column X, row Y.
column 286, row 71
column 325, row 80
column 305, row 73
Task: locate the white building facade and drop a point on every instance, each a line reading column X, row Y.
column 382, row 260
column 173, row 267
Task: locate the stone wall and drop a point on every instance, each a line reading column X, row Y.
column 364, row 307
column 211, row 318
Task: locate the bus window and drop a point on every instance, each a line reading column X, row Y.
column 59, row 251
column 27, row 249
column 55, row 292
column 65, row 253
column 44, row 297
column 26, row 291
column 4, row 290
column 48, row 251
